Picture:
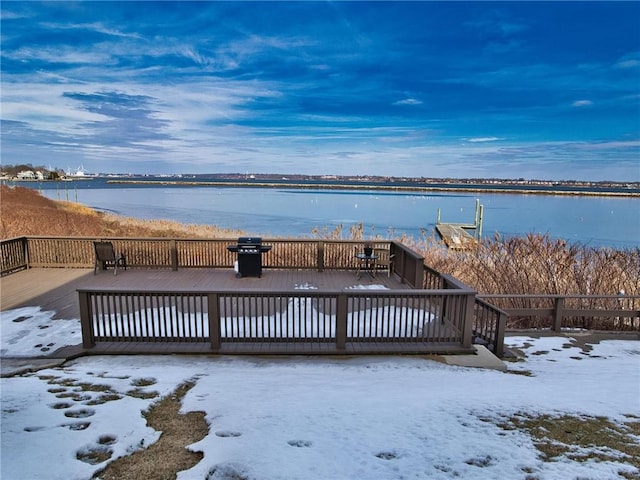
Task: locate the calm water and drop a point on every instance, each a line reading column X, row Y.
column 596, row 221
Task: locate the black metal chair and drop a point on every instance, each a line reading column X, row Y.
column 384, row 260
column 106, row 257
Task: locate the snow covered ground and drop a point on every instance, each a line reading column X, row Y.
column 310, row 417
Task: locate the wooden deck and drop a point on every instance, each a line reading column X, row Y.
column 269, row 348
column 54, row 289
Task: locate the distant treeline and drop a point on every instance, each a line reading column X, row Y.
column 485, row 184
column 13, row 170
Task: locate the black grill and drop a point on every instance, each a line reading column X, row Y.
column 250, row 250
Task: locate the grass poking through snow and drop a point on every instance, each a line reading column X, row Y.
column 581, row 438
column 168, row 456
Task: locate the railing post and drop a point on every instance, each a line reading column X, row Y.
column 213, row 307
column 174, row 254
column 558, row 314
column 341, row 322
column 419, row 273
column 88, row 339
column 320, row 256
column 399, row 264
column 467, row 326
column 25, row 252
column 501, row 326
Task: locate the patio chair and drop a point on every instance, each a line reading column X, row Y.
column 106, row 257
column 384, row 260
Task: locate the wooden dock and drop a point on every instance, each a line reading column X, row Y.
column 455, row 236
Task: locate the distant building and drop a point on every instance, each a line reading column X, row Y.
column 26, row 175
column 31, row 175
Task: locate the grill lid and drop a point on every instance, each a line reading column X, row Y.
column 250, row 242
column 248, row 245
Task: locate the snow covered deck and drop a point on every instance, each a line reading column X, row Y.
column 56, row 288
column 213, row 311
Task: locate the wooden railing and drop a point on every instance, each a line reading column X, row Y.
column 13, row 255
column 489, row 326
column 432, row 279
column 481, row 320
column 427, row 321
column 169, row 253
column 557, row 312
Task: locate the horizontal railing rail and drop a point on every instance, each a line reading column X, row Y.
column 339, row 318
column 557, row 312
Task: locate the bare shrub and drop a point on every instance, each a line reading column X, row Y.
column 538, row 264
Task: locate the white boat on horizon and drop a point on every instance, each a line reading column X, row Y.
column 79, row 174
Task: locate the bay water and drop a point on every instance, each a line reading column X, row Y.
column 290, row 212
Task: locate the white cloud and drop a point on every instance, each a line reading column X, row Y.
column 408, row 101
column 628, row 64
column 631, row 60
column 483, row 139
column 582, row 103
column 95, row 26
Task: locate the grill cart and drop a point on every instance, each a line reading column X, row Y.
column 249, row 250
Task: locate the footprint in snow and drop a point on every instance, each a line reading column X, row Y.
column 227, row 433
column 300, row 443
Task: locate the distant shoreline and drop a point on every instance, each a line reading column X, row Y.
column 566, row 190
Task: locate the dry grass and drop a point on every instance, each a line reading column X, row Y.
column 168, row 456
column 582, row 438
column 23, row 211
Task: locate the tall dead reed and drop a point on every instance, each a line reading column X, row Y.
column 539, row 265
column 536, row 263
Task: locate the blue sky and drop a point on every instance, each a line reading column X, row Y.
column 456, row 89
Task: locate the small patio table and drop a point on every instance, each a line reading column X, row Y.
column 369, row 262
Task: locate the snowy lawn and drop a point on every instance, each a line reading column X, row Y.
column 311, row 417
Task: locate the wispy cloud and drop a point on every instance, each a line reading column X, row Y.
column 482, row 139
column 630, row 61
column 408, row 101
column 397, row 88
column 97, row 27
